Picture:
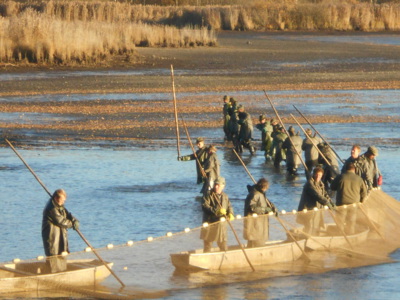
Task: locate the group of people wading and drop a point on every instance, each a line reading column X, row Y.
column 358, row 176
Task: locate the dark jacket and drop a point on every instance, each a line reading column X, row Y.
column 246, row 126
column 212, row 166
column 371, row 172
column 202, row 155
column 256, row 202
column 310, row 151
column 56, row 220
column 313, row 195
column 212, row 202
column 350, row 188
column 292, row 150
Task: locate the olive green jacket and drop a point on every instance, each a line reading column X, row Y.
column 350, row 188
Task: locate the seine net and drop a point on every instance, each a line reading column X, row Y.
column 293, row 243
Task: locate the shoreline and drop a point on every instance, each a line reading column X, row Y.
column 243, row 61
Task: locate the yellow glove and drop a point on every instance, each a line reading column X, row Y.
column 222, row 212
column 231, row 217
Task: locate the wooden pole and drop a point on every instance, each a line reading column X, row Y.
column 204, row 175
column 287, row 133
column 235, row 234
column 309, row 137
column 77, row 230
column 337, row 155
column 273, row 207
column 244, row 166
column 175, row 113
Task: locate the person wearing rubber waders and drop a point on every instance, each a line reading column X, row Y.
column 202, row 155
column 55, row 224
column 216, row 205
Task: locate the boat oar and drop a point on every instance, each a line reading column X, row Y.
column 305, row 118
column 175, row 113
column 287, row 133
column 273, row 208
column 77, row 230
column 204, row 175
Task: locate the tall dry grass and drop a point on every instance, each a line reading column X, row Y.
column 83, row 31
column 255, row 14
column 73, row 34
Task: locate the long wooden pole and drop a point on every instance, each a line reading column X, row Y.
column 344, row 234
column 226, row 217
column 77, row 230
column 330, row 212
column 287, row 133
column 310, row 138
column 203, row 173
column 305, row 118
column 175, row 113
column 272, row 207
column 244, row 166
column 235, row 234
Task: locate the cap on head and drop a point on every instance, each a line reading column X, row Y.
column 199, row 139
column 274, row 122
column 262, row 117
column 220, row 181
column 291, row 129
column 373, row 150
column 240, row 106
column 309, row 131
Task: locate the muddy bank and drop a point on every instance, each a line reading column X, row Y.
column 241, row 62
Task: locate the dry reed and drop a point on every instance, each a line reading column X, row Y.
column 85, row 32
column 72, row 34
column 256, row 14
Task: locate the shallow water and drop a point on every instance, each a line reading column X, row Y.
column 123, row 191
column 130, row 193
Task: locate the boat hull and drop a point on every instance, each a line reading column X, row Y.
column 79, row 273
column 332, row 238
column 274, row 252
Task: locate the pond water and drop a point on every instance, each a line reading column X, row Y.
column 124, row 191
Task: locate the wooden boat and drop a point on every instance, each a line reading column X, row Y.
column 331, row 237
column 273, row 252
column 26, row 276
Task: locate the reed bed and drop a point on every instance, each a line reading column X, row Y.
column 86, row 32
column 252, row 15
column 35, row 37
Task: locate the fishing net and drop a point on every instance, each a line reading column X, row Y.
column 310, row 241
